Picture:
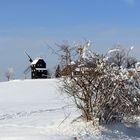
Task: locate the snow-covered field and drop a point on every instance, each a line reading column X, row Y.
column 37, row 110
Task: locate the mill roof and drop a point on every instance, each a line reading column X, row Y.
column 35, row 60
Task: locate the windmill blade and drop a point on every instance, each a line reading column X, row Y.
column 30, row 59
column 27, row 70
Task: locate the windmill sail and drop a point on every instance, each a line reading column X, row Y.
column 30, row 59
column 27, row 70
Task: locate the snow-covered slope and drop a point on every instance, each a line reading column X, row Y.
column 29, row 90
column 32, row 109
column 37, row 110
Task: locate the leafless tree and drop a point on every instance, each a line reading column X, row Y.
column 120, row 57
column 9, row 73
column 58, row 72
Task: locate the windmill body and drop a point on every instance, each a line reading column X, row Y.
column 37, row 68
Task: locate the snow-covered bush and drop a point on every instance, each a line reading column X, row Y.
column 102, row 92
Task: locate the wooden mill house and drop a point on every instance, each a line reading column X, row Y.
column 37, row 67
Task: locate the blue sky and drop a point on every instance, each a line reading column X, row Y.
column 32, row 24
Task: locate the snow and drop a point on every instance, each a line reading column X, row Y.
column 72, row 63
column 35, row 61
column 38, row 110
column 132, row 47
column 138, row 66
column 41, row 69
column 113, row 50
column 86, row 50
column 34, row 109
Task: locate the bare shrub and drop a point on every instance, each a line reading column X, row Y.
column 101, row 91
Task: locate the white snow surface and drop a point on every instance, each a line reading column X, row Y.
column 38, row 110
column 113, row 50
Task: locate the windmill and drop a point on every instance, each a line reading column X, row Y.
column 37, row 68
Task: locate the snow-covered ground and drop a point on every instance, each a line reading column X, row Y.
column 37, row 110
